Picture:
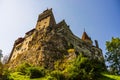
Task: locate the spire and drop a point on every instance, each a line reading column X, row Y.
column 84, row 29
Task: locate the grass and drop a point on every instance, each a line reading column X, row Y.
column 38, row 79
column 18, row 76
column 107, row 76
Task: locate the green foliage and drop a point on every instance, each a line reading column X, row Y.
column 70, row 50
column 80, row 68
column 83, row 69
column 58, row 75
column 18, row 76
column 113, row 55
column 6, row 74
column 57, row 64
column 107, row 76
column 32, row 71
column 50, row 78
column 1, row 68
column 23, row 68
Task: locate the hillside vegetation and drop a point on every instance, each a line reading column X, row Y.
column 80, row 68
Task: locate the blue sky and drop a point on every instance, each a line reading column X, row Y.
column 100, row 18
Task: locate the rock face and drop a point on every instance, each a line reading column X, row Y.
column 49, row 42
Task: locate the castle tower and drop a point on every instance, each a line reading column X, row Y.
column 86, row 38
column 45, row 19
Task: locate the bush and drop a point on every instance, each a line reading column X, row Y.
column 36, row 72
column 6, row 75
column 83, row 68
column 17, row 76
column 33, row 72
column 23, row 68
column 57, row 74
column 80, row 68
column 50, row 78
column 70, row 50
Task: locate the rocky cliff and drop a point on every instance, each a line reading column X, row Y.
column 49, row 44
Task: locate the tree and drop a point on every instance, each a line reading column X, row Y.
column 1, row 70
column 1, row 55
column 5, row 59
column 1, row 66
column 113, row 55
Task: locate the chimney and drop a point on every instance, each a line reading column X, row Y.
column 96, row 44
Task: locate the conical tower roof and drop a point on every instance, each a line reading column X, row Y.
column 85, row 36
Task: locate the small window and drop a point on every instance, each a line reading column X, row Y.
column 13, row 56
column 22, row 50
column 44, row 26
column 45, row 22
column 17, row 48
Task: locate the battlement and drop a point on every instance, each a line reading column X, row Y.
column 45, row 14
column 19, row 40
column 29, row 32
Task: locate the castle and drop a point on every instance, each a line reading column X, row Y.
column 49, row 41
